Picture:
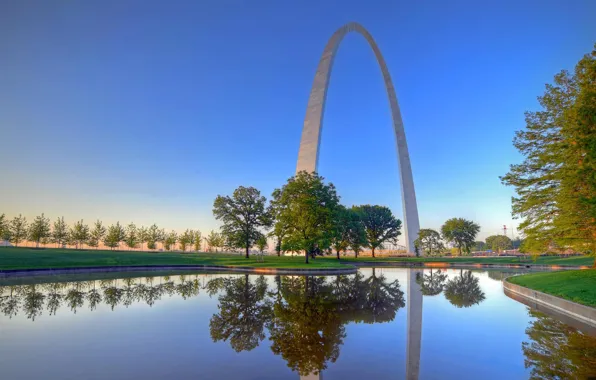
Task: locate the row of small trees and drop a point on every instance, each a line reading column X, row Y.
column 461, row 234
column 42, row 231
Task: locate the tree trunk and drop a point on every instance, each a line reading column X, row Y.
column 306, row 255
column 247, row 250
column 373, row 252
column 338, row 254
column 356, row 254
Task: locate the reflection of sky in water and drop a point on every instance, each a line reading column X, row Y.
column 172, row 338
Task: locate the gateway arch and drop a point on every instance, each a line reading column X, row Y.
column 308, row 155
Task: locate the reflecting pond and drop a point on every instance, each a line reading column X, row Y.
column 379, row 323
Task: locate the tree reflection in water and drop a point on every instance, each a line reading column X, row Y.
column 464, row 290
column 305, row 316
column 558, row 351
column 244, row 310
column 431, row 284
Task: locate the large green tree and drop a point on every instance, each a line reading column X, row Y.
column 380, row 225
column 60, row 232
column 18, row 229
column 243, row 215
column 39, row 230
column 498, row 243
column 556, row 182
column 429, row 241
column 461, row 233
column 307, row 208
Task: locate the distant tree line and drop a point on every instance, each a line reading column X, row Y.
column 81, row 235
column 461, row 234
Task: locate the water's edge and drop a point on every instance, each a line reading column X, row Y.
column 581, row 313
column 6, row 273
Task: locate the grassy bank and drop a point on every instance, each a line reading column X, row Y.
column 544, row 260
column 28, row 258
column 574, row 285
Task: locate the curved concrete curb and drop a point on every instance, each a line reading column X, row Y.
column 582, row 313
column 438, row 264
column 224, row 268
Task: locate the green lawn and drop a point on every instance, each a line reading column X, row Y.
column 575, row 285
column 544, row 260
column 27, row 258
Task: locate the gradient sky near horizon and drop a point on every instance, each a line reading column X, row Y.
column 145, row 111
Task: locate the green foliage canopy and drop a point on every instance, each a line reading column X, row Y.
column 307, row 207
column 243, row 215
column 460, row 232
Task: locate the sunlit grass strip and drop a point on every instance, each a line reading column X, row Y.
column 28, row 258
column 574, row 285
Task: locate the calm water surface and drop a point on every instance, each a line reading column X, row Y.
column 378, row 324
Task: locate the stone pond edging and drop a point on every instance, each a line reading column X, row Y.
column 582, row 313
column 5, row 273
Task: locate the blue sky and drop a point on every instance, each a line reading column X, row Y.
column 145, row 111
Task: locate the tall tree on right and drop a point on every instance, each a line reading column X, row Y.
column 461, row 233
column 380, row 225
column 556, row 182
